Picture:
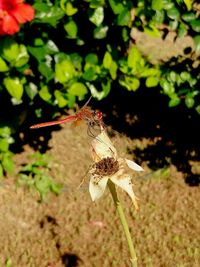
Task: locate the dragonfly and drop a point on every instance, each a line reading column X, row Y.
column 92, row 118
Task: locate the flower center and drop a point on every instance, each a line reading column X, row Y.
column 106, row 166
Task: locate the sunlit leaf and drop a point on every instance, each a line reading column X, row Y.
column 174, row 102
column 8, row 164
column 100, row 32
column 107, row 60
column 4, row 145
column 152, row 81
column 124, row 18
column 189, row 101
column 14, row 87
column 196, row 40
column 117, row 6
column 113, row 70
column 22, row 57
column 31, row 90
column 10, row 49
column 3, row 65
column 195, row 24
column 173, row 13
column 97, row 16
column 188, row 4
column 71, row 29
column 61, row 99
column 70, row 10
column 64, row 71
column 44, row 93
column 157, row 5
column 46, row 71
column 48, row 14
column 1, row 171
column 78, row 89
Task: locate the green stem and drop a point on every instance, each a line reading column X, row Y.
column 118, row 205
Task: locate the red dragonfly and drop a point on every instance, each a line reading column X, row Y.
column 92, row 118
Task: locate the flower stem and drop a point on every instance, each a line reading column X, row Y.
column 118, row 205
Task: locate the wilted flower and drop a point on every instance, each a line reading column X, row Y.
column 12, row 13
column 109, row 166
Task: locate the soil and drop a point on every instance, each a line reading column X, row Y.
column 70, row 230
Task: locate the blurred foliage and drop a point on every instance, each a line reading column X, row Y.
column 74, row 48
column 35, row 174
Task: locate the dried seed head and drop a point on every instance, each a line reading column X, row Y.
column 106, row 166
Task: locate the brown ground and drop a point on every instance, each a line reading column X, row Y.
column 70, row 230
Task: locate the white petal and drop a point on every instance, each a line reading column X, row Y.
column 134, row 166
column 97, row 188
column 103, row 146
column 126, row 185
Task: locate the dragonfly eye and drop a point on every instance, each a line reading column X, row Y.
column 99, row 115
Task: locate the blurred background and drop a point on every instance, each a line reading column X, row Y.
column 139, row 63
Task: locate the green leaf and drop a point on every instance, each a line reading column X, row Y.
column 8, row 164
column 95, row 93
column 3, row 65
column 189, row 101
column 134, row 59
column 1, row 171
column 70, row 10
column 10, row 49
column 89, row 74
column 78, row 89
column 195, row 24
column 22, row 57
column 188, row 4
column 61, row 99
column 182, row 30
column 8, row 262
column 44, row 93
column 188, row 16
column 4, row 145
column 107, row 60
column 198, row 109
column 168, row 87
column 14, row 87
column 64, row 71
column 124, row 18
column 92, row 59
column 185, row 76
column 56, row 188
column 71, row 29
column 117, row 6
column 97, row 16
column 152, row 81
column 31, row 90
column 159, row 16
column 51, row 47
column 174, row 102
column 196, row 40
column 157, row 5
column 173, row 13
column 150, row 72
column 100, row 32
column 151, row 30
column 131, row 83
column 42, row 184
column 46, row 70
column 38, row 52
column 113, row 70
column 106, row 87
column 48, row 14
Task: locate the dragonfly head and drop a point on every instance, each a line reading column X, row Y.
column 99, row 115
